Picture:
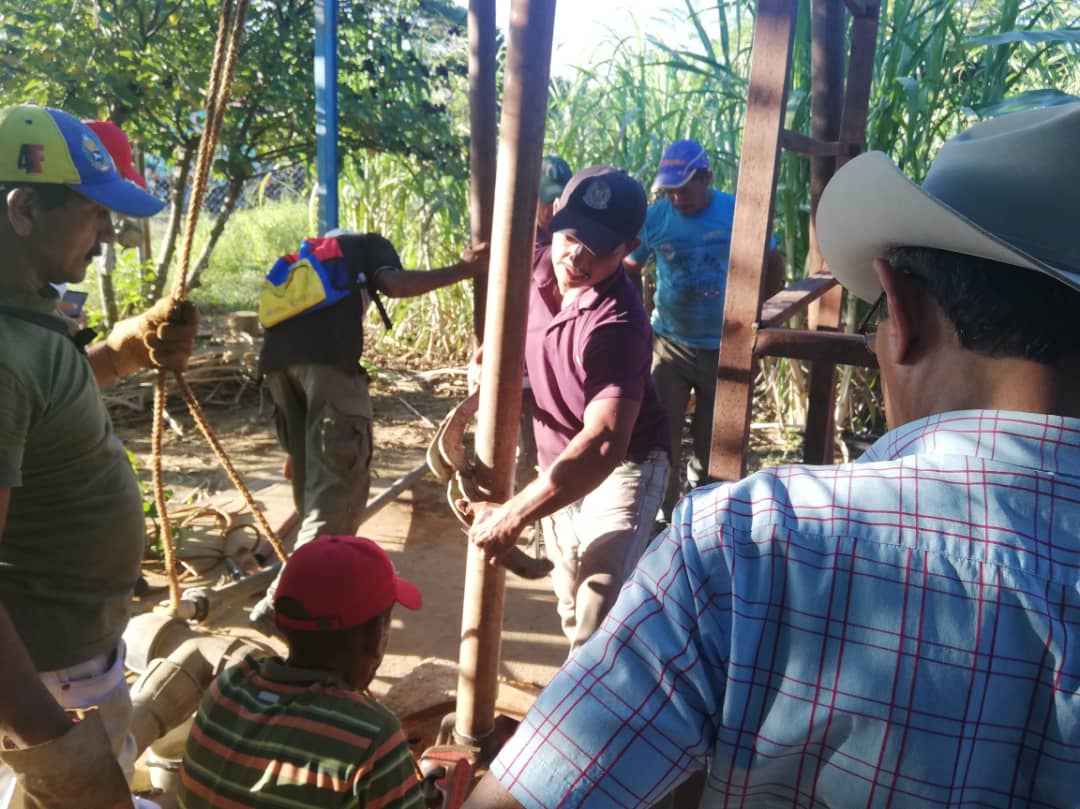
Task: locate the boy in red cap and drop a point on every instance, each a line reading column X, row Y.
column 304, row 731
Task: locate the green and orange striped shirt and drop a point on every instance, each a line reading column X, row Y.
column 271, row 735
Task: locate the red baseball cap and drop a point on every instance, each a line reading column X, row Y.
column 341, row 582
column 112, row 137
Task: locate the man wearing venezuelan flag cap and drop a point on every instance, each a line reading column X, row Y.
column 72, row 530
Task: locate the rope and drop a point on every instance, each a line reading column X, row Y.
column 226, row 47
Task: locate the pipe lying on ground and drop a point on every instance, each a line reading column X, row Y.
column 203, row 604
column 176, row 665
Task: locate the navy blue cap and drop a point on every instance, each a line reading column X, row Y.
column 555, row 173
column 602, row 207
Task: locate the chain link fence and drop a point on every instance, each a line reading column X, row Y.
column 291, row 182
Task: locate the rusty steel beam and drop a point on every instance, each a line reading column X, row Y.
column 812, row 147
column 828, row 311
column 860, row 74
column 792, row 300
column 482, row 138
column 815, row 346
column 827, row 18
column 827, row 35
column 770, row 68
column 517, row 186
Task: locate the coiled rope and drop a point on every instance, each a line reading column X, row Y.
column 230, row 32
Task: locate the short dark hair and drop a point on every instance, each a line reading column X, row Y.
column 368, row 252
column 52, row 195
column 314, row 643
column 998, row 309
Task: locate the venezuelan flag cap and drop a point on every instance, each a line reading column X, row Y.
column 45, row 145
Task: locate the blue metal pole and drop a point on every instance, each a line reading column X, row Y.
column 326, row 113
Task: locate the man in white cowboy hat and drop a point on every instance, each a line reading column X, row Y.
column 899, row 631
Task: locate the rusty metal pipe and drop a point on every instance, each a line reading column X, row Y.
column 517, row 185
column 815, row 346
column 397, row 487
column 482, row 138
column 827, row 31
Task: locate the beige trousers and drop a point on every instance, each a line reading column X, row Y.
column 596, row 542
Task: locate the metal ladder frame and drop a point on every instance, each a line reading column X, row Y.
column 752, row 326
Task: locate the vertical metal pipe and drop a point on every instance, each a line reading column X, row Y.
column 482, row 144
column 827, row 106
column 827, row 18
column 517, row 185
column 326, row 112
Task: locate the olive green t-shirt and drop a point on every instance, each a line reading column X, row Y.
column 71, row 549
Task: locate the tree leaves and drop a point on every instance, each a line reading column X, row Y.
column 117, row 59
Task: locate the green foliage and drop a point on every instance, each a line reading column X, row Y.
column 425, row 215
column 254, row 239
column 146, row 63
column 941, row 65
column 154, row 547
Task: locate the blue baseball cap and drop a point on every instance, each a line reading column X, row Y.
column 46, row 145
column 602, row 207
column 678, row 164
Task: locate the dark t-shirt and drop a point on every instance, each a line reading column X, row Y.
column 598, row 347
column 334, row 335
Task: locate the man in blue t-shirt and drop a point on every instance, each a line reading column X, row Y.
column 688, row 232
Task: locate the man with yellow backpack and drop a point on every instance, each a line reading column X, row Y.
column 313, row 305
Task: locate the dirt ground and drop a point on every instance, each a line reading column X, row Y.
column 425, row 541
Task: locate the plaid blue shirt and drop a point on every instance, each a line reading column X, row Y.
column 899, row 632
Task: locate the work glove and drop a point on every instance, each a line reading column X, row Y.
column 76, row 771
column 160, row 337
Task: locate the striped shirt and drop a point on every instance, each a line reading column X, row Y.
column 271, row 735
column 899, row 632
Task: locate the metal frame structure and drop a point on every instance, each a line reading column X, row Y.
column 751, row 324
column 502, row 211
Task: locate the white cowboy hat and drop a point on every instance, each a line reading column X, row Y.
column 1007, row 189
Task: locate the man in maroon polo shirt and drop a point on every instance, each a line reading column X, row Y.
column 601, row 432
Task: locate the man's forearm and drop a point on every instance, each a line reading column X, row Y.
column 411, row 283
column 587, row 460
column 28, row 712
column 101, row 364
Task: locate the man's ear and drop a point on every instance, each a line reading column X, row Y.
column 21, row 207
column 378, row 635
column 906, row 315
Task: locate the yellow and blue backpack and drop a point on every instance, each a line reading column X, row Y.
column 315, row 277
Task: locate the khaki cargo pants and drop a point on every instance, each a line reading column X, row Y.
column 323, row 420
